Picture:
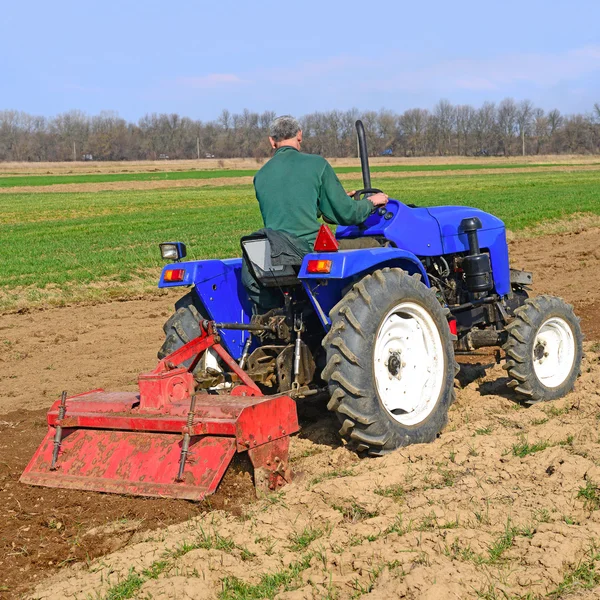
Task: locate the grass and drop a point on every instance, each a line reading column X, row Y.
column 39, row 180
column 396, row 492
column 270, row 584
column 214, row 541
column 64, row 247
column 523, row 448
column 301, row 541
column 505, row 541
column 590, row 494
column 354, row 512
column 483, row 431
column 126, row 588
column 362, row 589
column 331, row 475
column 581, row 577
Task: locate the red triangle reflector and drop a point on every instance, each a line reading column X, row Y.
column 326, row 241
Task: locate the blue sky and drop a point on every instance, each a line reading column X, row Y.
column 196, row 58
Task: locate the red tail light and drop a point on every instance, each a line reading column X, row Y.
column 174, row 275
column 326, row 241
column 452, row 325
column 319, row 266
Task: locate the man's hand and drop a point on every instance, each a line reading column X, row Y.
column 351, row 194
column 379, row 199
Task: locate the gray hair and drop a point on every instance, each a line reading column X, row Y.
column 284, row 128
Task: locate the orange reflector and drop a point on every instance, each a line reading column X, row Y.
column 319, row 266
column 326, row 241
column 174, row 275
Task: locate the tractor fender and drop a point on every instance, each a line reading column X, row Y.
column 219, row 294
column 325, row 290
column 347, row 264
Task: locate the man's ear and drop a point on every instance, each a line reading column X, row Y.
column 299, row 136
column 273, row 143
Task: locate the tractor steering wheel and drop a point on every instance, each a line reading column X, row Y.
column 382, row 210
column 367, row 192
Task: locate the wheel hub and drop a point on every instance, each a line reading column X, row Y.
column 553, row 352
column 539, row 351
column 409, row 363
column 394, row 363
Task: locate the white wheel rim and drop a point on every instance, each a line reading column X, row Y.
column 409, row 363
column 553, row 352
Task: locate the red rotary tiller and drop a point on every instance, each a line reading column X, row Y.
column 166, row 441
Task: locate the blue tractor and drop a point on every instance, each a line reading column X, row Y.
column 373, row 318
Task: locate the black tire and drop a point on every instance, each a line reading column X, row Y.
column 182, row 327
column 367, row 425
column 521, row 348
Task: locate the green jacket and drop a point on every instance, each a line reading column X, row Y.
column 294, row 189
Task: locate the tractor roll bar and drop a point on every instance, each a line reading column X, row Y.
column 363, row 154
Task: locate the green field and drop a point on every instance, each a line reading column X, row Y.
column 38, row 180
column 62, row 247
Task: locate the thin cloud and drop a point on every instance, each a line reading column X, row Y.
column 543, row 70
column 475, row 83
column 300, row 73
column 214, row 80
column 397, row 72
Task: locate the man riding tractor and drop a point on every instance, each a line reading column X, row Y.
column 293, row 190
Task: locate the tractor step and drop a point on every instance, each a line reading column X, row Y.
column 165, row 441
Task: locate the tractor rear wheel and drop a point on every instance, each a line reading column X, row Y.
column 182, row 327
column 544, row 349
column 390, row 363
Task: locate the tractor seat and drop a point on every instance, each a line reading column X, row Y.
column 257, row 252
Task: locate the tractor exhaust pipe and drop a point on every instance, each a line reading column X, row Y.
column 363, row 154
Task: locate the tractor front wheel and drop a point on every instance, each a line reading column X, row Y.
column 544, row 349
column 390, row 363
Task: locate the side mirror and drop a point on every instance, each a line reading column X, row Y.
column 172, row 251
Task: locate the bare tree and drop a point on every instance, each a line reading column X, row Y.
column 524, row 120
column 540, row 128
column 485, row 129
column 465, row 117
column 507, row 121
column 444, row 123
column 413, row 125
column 449, row 129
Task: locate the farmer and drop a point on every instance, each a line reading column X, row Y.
column 293, row 190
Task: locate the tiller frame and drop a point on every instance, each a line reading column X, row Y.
column 168, row 440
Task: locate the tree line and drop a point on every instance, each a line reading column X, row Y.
column 504, row 129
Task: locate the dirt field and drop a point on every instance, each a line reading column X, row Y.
column 227, row 181
column 150, row 166
column 482, row 512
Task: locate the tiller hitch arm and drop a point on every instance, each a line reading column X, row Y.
column 168, row 440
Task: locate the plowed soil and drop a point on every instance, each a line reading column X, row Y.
column 227, row 181
column 503, row 504
column 156, row 166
